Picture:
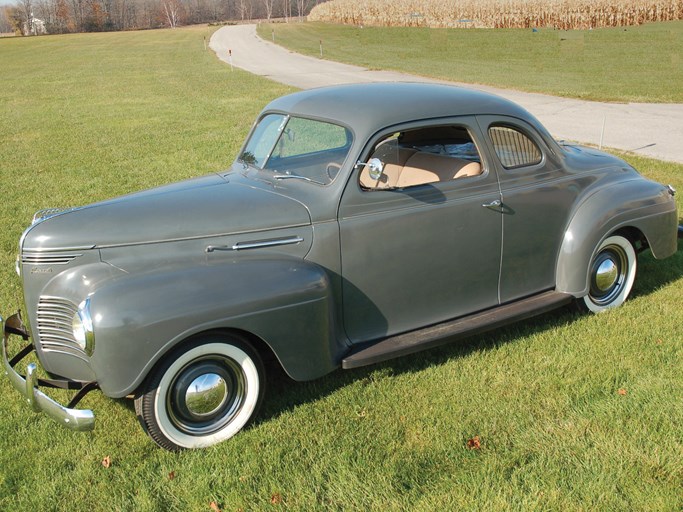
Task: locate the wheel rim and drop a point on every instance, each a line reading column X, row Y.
column 608, row 274
column 206, row 395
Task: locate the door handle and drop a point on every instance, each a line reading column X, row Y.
column 493, row 205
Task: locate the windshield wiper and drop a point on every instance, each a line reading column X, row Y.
column 296, row 177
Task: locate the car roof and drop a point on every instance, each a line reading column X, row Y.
column 370, row 107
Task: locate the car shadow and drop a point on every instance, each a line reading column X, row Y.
column 283, row 394
column 653, row 274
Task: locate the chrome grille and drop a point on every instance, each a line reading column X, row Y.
column 54, row 326
column 41, row 258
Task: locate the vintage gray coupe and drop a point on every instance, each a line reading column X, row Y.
column 357, row 224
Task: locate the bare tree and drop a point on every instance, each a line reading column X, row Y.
column 243, row 7
column 268, row 4
column 78, row 12
column 301, row 8
column 172, row 9
column 59, row 16
column 25, row 7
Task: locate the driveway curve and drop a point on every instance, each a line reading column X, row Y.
column 648, row 129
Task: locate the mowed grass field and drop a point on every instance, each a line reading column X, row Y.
column 571, row 412
column 626, row 64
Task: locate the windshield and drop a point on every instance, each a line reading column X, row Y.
column 297, row 148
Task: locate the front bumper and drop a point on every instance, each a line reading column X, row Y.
column 74, row 419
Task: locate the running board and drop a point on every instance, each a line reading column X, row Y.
column 446, row 332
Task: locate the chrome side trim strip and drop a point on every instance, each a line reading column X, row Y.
column 256, row 244
column 198, row 237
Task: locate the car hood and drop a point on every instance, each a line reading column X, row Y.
column 198, row 208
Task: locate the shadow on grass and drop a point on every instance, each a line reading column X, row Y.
column 284, row 394
column 653, row 274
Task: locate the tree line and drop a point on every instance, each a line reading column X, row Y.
column 35, row 17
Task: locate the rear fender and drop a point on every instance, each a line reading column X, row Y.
column 641, row 204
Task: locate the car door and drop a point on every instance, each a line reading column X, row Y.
column 537, row 196
column 421, row 253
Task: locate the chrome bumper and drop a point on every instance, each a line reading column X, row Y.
column 74, row 419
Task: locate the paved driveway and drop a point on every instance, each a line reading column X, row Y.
column 649, row 129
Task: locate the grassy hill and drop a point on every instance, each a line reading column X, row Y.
column 626, row 64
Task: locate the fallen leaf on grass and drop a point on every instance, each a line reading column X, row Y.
column 275, row 499
column 214, row 506
column 622, row 391
column 106, row 462
column 474, row 443
column 171, row 475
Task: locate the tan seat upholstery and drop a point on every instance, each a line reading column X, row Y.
column 424, row 168
column 468, row 169
column 405, row 167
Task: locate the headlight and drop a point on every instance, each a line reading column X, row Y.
column 82, row 328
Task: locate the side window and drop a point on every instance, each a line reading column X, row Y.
column 425, row 155
column 514, row 149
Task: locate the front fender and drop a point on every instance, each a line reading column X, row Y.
column 284, row 301
column 641, row 204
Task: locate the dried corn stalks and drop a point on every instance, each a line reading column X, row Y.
column 559, row 14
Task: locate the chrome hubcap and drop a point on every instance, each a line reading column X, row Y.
column 206, row 395
column 608, row 275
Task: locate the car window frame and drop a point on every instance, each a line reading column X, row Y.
column 523, row 132
column 467, row 122
column 548, row 154
column 268, row 174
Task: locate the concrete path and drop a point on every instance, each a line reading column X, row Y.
column 648, row 129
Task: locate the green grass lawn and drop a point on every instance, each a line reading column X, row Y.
column 641, row 64
column 86, row 117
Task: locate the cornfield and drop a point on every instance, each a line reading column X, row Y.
column 558, row 14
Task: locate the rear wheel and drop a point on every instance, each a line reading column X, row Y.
column 203, row 393
column 611, row 274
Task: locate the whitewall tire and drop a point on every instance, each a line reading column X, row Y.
column 203, row 393
column 611, row 274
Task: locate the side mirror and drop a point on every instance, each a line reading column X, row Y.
column 375, row 167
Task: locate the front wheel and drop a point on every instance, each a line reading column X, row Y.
column 202, row 394
column 612, row 273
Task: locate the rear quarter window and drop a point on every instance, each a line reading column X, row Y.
column 513, row 148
